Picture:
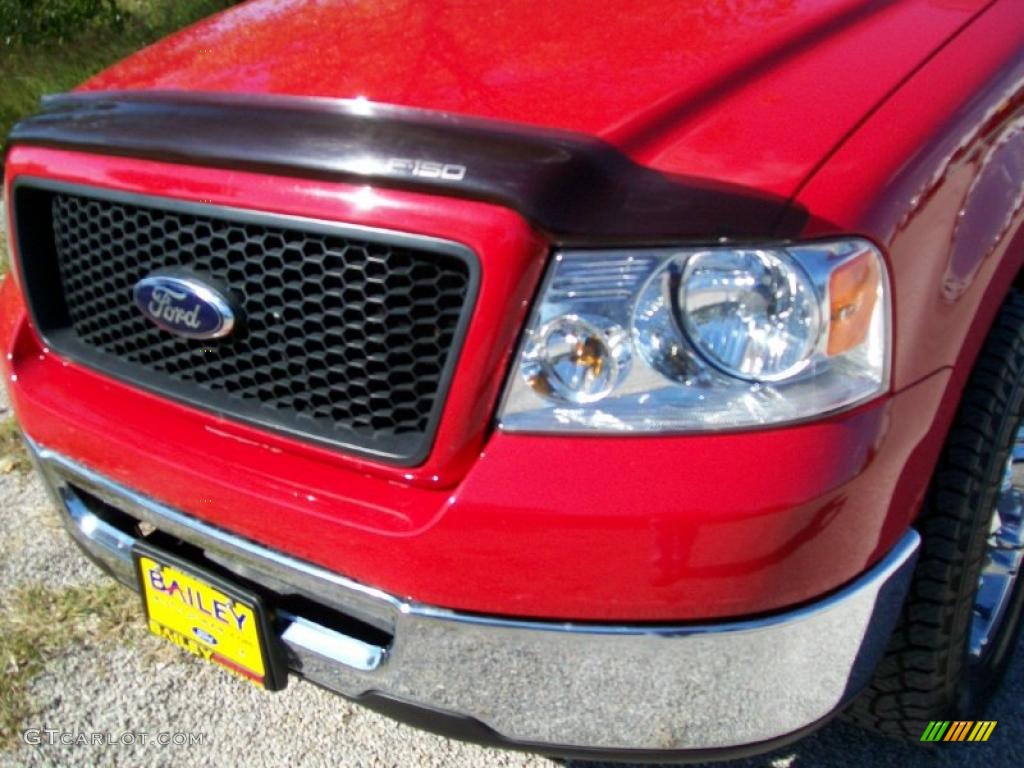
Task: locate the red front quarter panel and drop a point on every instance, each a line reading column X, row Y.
column 937, row 177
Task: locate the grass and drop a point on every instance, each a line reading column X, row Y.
column 37, row 623
column 13, row 456
column 29, row 71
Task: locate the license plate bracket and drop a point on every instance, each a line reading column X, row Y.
column 208, row 616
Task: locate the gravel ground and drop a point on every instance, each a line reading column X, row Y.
column 140, row 686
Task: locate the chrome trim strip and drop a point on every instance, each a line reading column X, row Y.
column 111, row 549
column 564, row 684
column 307, row 638
column 281, row 573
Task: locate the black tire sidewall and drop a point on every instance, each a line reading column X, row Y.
column 980, row 678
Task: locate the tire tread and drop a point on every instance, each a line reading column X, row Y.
column 917, row 679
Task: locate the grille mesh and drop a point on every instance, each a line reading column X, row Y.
column 342, row 338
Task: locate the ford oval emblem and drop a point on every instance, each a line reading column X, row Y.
column 185, row 305
column 203, row 635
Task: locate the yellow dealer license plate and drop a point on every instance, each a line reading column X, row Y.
column 206, row 615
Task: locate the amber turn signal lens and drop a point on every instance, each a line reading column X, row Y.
column 853, row 290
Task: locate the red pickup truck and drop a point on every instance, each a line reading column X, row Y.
column 643, row 383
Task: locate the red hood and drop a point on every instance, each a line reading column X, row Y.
column 754, row 92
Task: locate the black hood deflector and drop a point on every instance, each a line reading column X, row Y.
column 575, row 188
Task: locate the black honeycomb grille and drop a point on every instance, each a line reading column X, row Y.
column 343, row 339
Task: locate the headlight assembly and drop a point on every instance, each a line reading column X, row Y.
column 690, row 339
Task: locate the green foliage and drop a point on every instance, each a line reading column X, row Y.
column 49, row 46
column 27, row 22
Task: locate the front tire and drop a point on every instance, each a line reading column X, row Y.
column 962, row 614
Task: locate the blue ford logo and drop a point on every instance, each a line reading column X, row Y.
column 185, row 305
column 203, row 635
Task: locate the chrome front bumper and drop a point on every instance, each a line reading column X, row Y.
column 541, row 685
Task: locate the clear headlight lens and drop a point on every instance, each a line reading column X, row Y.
column 702, row 338
column 753, row 314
